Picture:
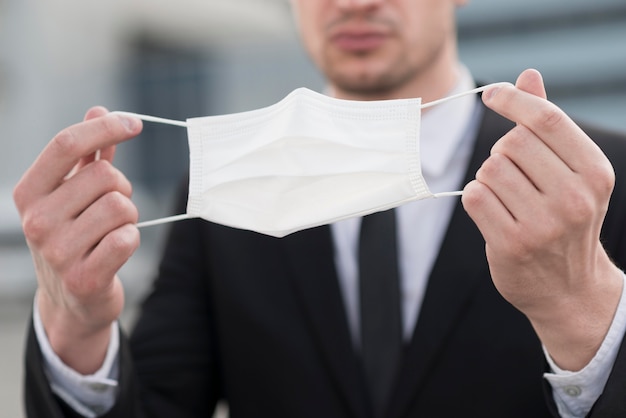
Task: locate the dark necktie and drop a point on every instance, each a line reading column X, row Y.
column 381, row 324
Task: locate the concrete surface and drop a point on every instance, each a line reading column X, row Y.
column 13, row 319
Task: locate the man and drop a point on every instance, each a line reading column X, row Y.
column 272, row 325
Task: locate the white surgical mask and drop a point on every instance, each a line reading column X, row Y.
column 305, row 161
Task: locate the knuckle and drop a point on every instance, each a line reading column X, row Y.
column 118, row 205
column 35, row 226
column 551, row 117
column 110, row 178
column 123, row 241
column 65, row 142
column 128, row 185
column 115, row 202
column 580, row 206
column 105, row 175
column 491, row 167
column 603, row 177
column 516, row 139
column 20, row 193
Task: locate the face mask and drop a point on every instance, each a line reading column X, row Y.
column 305, row 161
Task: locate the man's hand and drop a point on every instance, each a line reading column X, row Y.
column 540, row 200
column 78, row 220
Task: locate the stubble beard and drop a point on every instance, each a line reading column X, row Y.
column 368, row 85
column 386, row 82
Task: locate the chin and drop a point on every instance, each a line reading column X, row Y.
column 365, row 83
column 369, row 74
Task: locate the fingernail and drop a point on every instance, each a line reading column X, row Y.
column 129, row 123
column 492, row 92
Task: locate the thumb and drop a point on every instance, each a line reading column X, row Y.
column 531, row 82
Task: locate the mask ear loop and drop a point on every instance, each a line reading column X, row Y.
column 456, row 96
column 149, row 118
column 155, row 119
column 465, row 93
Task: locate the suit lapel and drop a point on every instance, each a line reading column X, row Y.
column 316, row 284
column 312, row 259
column 459, row 267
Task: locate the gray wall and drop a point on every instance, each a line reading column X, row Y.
column 578, row 45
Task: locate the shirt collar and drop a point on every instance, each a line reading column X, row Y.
column 443, row 127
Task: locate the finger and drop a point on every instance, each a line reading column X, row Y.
column 112, row 252
column 512, row 187
column 93, row 181
column 97, row 271
column 109, row 212
column 79, row 237
column 531, row 82
column 547, row 122
column 95, row 112
column 539, row 164
column 491, row 217
column 106, row 153
column 72, row 144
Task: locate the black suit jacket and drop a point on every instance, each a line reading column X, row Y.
column 260, row 322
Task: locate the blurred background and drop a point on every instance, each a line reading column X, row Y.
column 185, row 58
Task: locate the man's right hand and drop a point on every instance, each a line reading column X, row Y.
column 79, row 223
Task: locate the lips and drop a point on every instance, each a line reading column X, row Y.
column 358, row 40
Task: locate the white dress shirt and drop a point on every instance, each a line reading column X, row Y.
column 447, row 135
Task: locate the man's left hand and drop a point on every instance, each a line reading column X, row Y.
column 540, row 200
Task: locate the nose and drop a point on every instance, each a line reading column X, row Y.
column 357, row 4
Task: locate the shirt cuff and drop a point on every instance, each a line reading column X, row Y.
column 576, row 392
column 89, row 395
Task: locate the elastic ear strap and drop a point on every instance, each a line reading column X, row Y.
column 456, row 96
column 448, row 194
column 155, row 119
column 165, row 220
column 465, row 93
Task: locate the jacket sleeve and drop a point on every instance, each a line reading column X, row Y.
column 41, row 402
column 612, row 402
column 168, row 366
